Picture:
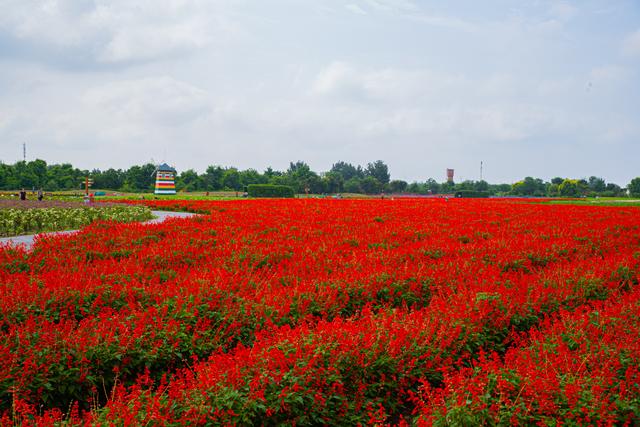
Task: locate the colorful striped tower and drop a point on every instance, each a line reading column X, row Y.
column 165, row 179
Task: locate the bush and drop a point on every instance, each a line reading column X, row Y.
column 268, row 190
column 471, row 194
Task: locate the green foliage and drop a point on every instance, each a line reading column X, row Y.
column 378, row 170
column 471, row 194
column 268, row 190
column 342, row 177
column 569, row 188
column 634, row 187
column 529, row 187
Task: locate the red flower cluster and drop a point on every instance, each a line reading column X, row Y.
column 328, row 312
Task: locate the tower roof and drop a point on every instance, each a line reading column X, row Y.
column 165, row 168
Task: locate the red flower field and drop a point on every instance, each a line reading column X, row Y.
column 342, row 312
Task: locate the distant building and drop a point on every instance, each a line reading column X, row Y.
column 165, row 179
column 449, row 175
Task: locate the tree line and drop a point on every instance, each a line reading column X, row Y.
column 343, row 177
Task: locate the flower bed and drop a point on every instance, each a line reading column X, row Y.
column 38, row 217
column 328, row 312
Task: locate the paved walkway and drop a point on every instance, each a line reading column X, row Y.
column 27, row 240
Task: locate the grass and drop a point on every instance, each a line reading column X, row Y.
column 597, row 201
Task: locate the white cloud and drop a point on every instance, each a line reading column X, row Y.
column 158, row 101
column 340, row 79
column 563, row 10
column 118, row 30
column 392, row 5
column 631, row 44
column 355, row 9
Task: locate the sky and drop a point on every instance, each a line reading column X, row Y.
column 539, row 88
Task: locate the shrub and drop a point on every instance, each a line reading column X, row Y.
column 268, row 190
column 472, row 194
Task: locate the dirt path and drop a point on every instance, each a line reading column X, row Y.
column 27, row 240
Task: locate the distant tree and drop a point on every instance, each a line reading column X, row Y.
column 333, row 182
column 111, row 179
column 415, row 188
column 431, row 185
column 613, row 190
column 212, row 178
column 553, row 190
column 231, row 179
column 301, row 177
column 501, row 189
column 188, row 181
column 557, row 180
column 370, row 185
column 465, row 186
column 140, row 178
column 634, row 187
column 37, row 169
column 353, row 186
column 270, row 173
column 447, row 187
column 398, row 186
column 481, row 185
column 315, row 184
column 251, row 176
column 529, row 187
column 569, row 188
column 347, row 170
column 596, row 185
column 378, row 170
column 4, row 175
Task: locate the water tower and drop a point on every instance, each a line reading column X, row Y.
column 165, row 179
column 450, row 175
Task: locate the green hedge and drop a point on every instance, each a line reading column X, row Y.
column 267, row 190
column 472, row 194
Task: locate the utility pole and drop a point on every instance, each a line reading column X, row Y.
column 24, row 151
column 480, row 170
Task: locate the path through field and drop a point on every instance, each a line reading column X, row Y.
column 28, row 239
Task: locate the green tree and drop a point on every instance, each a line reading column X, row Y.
column 634, row 187
column 301, row 176
column 398, row 186
column 353, row 185
column 112, row 179
column 140, row 178
column 212, row 178
column 231, row 179
column 529, row 187
column 370, row 185
column 347, row 170
column 613, row 190
column 597, row 185
column 188, row 181
column 333, row 182
column 251, row 176
column 379, row 171
column 569, row 188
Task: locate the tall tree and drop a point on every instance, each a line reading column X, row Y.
column 634, row 187
column 378, row 170
column 347, row 170
column 212, row 178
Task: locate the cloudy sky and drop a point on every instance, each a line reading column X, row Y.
column 542, row 87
